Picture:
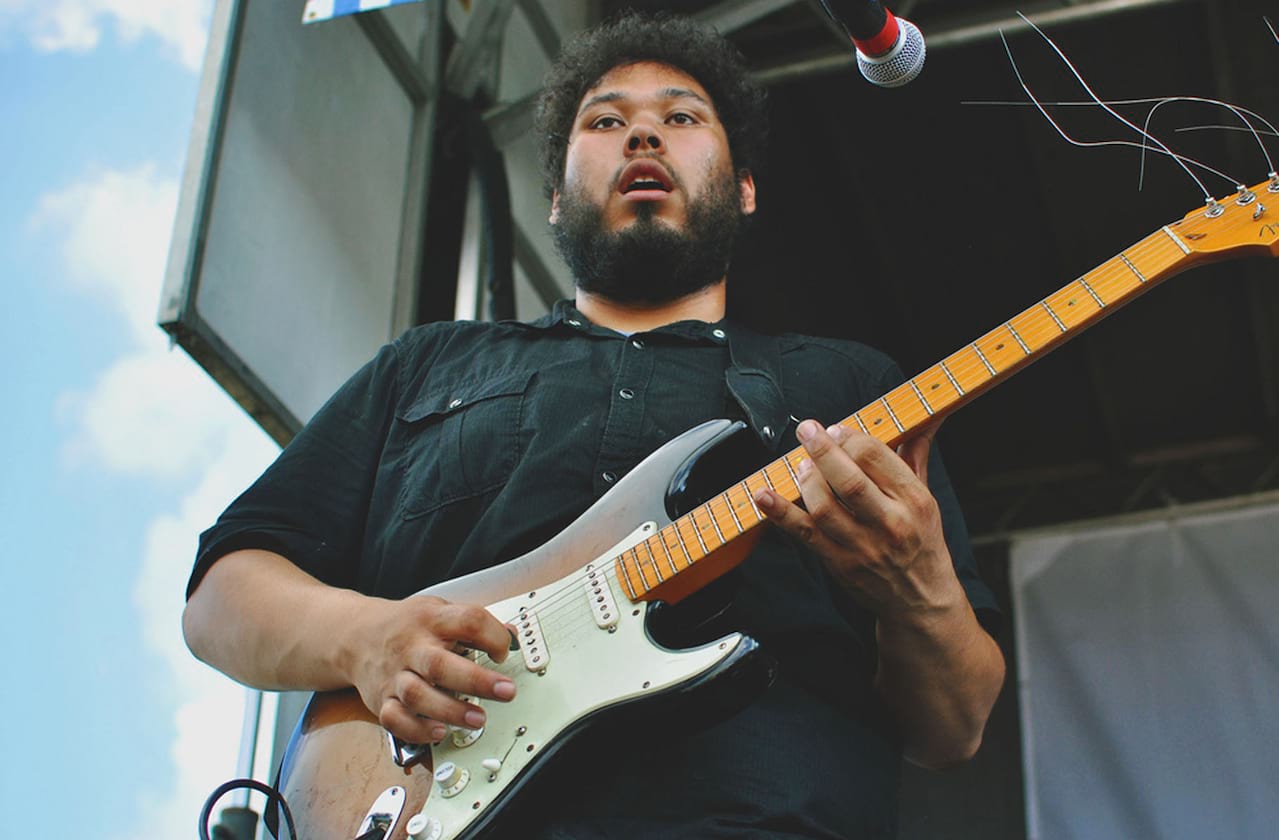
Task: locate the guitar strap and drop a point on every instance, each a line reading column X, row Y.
column 755, row 382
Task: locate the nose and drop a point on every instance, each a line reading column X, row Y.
column 643, row 137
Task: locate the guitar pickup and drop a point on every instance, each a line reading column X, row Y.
column 532, row 644
column 599, row 596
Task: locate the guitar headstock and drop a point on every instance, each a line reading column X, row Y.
column 1247, row 221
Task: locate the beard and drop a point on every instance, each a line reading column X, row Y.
column 649, row 262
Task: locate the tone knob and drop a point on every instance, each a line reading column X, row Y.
column 451, row 779
column 422, row 827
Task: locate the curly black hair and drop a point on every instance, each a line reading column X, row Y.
column 667, row 39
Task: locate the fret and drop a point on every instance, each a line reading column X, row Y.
column 1100, row 303
column 793, row 477
column 893, row 415
column 861, row 423
column 1132, row 268
column 697, row 532
column 710, row 513
column 639, row 567
column 670, row 560
column 928, row 408
column 624, row 576
column 652, row 565
column 1053, row 315
column 729, row 501
column 1182, row 245
column 683, row 546
column 969, row 371
column 953, row 381
column 938, row 389
column 750, row 497
column 768, row 479
column 984, row 360
column 1009, row 326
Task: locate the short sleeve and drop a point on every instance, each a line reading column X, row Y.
column 311, row 504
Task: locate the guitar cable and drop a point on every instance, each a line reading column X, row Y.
column 272, row 796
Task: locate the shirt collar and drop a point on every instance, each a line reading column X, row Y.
column 565, row 316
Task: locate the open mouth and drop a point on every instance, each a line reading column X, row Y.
column 645, row 176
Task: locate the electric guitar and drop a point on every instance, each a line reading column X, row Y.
column 581, row 601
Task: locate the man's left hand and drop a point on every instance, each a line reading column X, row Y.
column 868, row 513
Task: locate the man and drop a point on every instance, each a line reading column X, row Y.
column 466, row 444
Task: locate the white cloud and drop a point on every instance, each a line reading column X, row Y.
column 78, row 25
column 154, row 414
column 115, row 228
column 210, row 707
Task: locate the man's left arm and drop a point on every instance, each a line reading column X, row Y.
column 869, row 515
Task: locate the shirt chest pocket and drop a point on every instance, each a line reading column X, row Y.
column 460, row 440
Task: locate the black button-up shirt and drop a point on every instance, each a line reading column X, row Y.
column 465, row 444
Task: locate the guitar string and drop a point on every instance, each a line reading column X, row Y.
column 1101, row 277
column 1040, row 333
column 1035, row 335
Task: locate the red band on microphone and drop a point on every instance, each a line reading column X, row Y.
column 883, row 42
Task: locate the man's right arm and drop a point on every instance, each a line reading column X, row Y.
column 261, row 620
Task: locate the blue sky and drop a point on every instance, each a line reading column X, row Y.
column 118, row 451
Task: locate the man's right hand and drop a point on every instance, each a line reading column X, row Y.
column 409, row 663
column 263, row 621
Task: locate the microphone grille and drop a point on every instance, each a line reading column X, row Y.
column 900, row 64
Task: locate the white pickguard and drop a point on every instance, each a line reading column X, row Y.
column 590, row 668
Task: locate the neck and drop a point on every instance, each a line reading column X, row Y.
column 703, row 305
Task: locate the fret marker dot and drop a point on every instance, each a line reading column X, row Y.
column 1071, row 302
column 935, row 387
column 879, row 420
column 999, row 347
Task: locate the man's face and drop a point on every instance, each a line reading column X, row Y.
column 650, row 202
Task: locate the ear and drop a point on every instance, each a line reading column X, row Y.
column 555, row 208
column 746, row 183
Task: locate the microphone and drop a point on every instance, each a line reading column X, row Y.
column 890, row 50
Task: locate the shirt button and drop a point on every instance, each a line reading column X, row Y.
column 626, row 394
column 455, row 403
column 718, row 333
column 637, row 344
column 608, row 476
column 574, row 322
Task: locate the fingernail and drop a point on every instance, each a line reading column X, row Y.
column 806, row 430
column 764, row 500
column 438, row 732
column 474, row 719
column 504, row 690
column 837, row 433
column 804, row 467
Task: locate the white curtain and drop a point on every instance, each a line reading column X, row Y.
column 1149, row 666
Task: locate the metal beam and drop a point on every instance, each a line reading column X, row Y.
column 474, row 60
column 539, row 276
column 399, row 61
column 548, row 37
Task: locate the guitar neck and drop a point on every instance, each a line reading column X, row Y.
column 652, row 569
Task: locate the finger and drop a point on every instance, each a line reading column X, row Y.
column 432, row 702
column 474, row 627
column 884, row 468
column 411, row 728
column 839, row 469
column 793, row 520
column 455, row 672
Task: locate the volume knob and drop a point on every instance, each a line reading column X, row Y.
column 422, row 827
column 451, row 779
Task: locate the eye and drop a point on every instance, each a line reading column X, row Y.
column 605, row 122
column 682, row 118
